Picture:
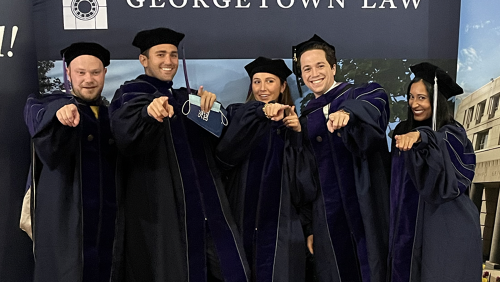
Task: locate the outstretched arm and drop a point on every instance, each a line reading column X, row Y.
column 442, row 165
column 247, row 124
column 53, row 121
column 137, row 115
column 367, row 115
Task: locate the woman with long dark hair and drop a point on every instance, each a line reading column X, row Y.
column 435, row 233
column 251, row 152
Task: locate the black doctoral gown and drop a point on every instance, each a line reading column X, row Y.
column 435, row 232
column 74, row 200
column 252, row 152
column 170, row 195
column 350, row 216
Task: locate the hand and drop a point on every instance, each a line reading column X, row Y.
column 310, row 243
column 337, row 120
column 405, row 142
column 160, row 109
column 275, row 111
column 207, row 99
column 292, row 120
column 68, row 115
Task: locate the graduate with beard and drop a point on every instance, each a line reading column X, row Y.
column 73, row 196
column 174, row 222
column 435, row 232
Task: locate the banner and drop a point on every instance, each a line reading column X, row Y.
column 229, row 29
column 18, row 77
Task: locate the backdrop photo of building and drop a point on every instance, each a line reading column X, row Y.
column 480, row 116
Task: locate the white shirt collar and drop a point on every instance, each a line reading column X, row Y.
column 335, row 84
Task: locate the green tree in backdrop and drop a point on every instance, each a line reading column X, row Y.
column 48, row 84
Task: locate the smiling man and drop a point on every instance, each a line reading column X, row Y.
column 174, row 221
column 344, row 130
column 74, row 215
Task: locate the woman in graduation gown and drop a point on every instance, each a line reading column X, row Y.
column 435, row 233
column 251, row 153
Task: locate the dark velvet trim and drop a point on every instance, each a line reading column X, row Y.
column 91, row 193
column 162, row 86
column 331, row 177
column 142, row 85
column 126, row 95
column 230, row 257
column 251, row 200
column 269, row 209
column 326, row 98
column 109, row 206
column 460, row 159
column 404, row 203
column 221, row 233
column 98, row 193
column 262, row 204
column 195, row 218
column 36, row 106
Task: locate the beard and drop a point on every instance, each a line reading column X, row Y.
column 86, row 98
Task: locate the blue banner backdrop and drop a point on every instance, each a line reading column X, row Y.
column 18, row 77
column 229, row 29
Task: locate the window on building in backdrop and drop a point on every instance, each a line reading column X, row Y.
column 468, row 116
column 493, row 105
column 482, row 139
column 480, row 111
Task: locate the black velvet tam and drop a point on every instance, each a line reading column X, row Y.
column 262, row 64
column 447, row 86
column 85, row 48
column 148, row 38
column 302, row 47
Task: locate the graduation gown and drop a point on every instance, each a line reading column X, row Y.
column 435, row 232
column 170, row 195
column 252, row 152
column 351, row 212
column 74, row 200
